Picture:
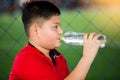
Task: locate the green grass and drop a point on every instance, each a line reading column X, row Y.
column 105, row 66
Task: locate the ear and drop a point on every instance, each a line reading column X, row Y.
column 34, row 29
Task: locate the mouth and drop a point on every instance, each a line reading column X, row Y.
column 59, row 38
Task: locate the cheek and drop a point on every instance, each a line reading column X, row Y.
column 50, row 35
column 48, row 38
column 49, row 41
column 51, row 38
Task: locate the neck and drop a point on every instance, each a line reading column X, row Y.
column 43, row 50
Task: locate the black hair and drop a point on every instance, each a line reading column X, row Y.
column 37, row 9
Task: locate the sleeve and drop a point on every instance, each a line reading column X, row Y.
column 34, row 67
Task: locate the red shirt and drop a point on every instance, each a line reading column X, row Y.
column 31, row 64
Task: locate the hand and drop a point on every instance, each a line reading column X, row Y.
column 91, row 45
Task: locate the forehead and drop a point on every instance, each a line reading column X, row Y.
column 51, row 20
column 54, row 19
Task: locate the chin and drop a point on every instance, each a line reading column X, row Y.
column 58, row 45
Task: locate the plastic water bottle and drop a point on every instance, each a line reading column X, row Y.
column 76, row 38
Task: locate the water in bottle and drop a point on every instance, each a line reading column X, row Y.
column 76, row 38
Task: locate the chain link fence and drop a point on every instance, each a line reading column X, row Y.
column 77, row 16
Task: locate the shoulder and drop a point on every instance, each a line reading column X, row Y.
column 27, row 52
column 27, row 57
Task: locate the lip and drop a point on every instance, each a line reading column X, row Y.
column 59, row 39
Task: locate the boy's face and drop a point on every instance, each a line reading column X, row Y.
column 49, row 33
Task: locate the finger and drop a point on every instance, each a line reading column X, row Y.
column 85, row 36
column 91, row 35
column 96, row 36
column 101, row 41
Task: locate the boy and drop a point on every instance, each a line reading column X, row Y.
column 39, row 59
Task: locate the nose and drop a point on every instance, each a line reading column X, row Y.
column 60, row 30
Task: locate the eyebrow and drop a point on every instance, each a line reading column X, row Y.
column 58, row 23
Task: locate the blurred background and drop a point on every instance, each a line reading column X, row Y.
column 101, row 16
